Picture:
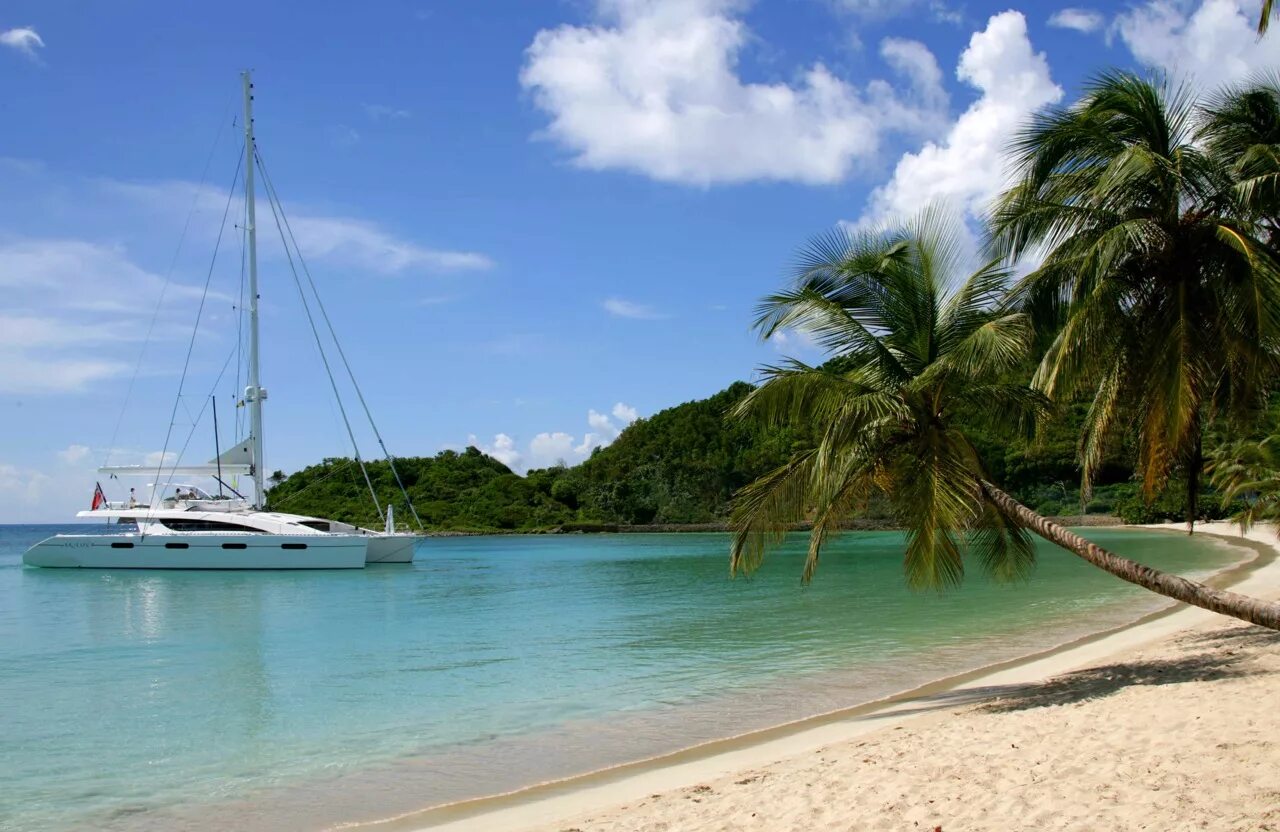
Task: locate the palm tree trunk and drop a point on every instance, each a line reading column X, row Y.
column 1194, row 466
column 1253, row 610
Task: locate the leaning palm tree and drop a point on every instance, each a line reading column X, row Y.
column 910, row 354
column 1158, row 292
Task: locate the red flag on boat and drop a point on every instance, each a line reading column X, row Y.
column 99, row 499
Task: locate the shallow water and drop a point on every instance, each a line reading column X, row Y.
column 212, row 700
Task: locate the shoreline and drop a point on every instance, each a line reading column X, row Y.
column 720, row 527
column 529, row 807
column 715, row 527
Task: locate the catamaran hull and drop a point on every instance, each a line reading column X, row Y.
column 391, row 548
column 186, row 551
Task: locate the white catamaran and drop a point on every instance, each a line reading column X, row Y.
column 184, row 527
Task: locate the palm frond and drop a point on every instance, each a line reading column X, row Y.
column 936, row 499
column 840, row 482
column 972, row 304
column 998, row 345
column 1002, row 545
column 795, row 392
column 1098, row 424
column 764, row 510
column 1004, row 407
column 1248, row 469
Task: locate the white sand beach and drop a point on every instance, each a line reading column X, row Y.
column 1169, row 724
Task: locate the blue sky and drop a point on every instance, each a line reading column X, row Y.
column 531, row 220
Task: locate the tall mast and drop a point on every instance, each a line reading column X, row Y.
column 253, row 393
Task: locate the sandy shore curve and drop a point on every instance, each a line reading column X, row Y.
column 1166, row 723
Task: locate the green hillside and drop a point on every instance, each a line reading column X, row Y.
column 679, row 466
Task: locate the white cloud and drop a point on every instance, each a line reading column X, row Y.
column 24, row 372
column 34, row 331
column 1214, row 44
column 380, row 112
column 73, row 453
column 599, row 421
column 25, row 493
column 25, row 167
column 554, row 447
column 914, row 60
column 343, row 135
column 548, row 449
column 344, row 241
column 70, row 306
column 939, row 10
column 791, row 341
column 52, row 494
column 653, row 87
column 630, row 309
column 967, row 168
column 502, row 449
column 24, row 39
column 946, row 13
column 624, row 413
column 871, row 8
column 79, row 275
column 360, row 244
column 158, row 458
column 1081, row 20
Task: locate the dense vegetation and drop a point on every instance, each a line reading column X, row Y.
column 681, row 466
column 450, row 491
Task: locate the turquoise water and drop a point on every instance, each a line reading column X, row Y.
column 207, row 700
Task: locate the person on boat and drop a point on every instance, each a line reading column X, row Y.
column 133, row 499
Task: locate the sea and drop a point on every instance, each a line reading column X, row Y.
column 163, row 700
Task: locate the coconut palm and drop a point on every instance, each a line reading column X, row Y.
column 1160, row 296
column 1249, row 469
column 910, row 354
column 1242, row 129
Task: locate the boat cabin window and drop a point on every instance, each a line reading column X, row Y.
column 318, row 525
column 182, row 524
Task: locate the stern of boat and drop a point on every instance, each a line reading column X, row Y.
column 391, row 548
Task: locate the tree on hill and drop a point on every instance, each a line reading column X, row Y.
column 681, row 465
column 451, row 491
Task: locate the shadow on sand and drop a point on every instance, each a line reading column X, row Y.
column 1221, row 654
